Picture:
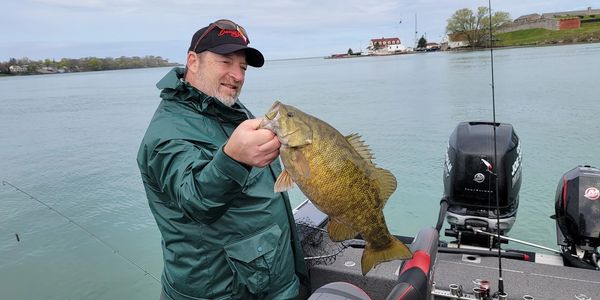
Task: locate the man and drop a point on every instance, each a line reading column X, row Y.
column 209, row 174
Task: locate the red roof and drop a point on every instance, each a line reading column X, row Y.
column 386, row 40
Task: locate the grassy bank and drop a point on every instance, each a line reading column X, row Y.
column 588, row 33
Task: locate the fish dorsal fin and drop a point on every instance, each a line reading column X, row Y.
column 360, row 147
column 284, row 182
column 386, row 183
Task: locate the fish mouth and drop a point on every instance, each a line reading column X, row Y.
column 284, row 140
column 273, row 111
column 271, row 117
column 289, row 133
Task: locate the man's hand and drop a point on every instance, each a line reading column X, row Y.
column 252, row 146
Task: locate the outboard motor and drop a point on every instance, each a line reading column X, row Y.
column 470, row 181
column 577, row 207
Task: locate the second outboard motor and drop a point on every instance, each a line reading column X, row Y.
column 577, row 206
column 470, row 180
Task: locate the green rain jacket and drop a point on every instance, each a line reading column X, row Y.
column 225, row 233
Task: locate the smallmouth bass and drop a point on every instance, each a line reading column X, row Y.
column 337, row 174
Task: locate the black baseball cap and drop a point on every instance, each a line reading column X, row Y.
column 225, row 37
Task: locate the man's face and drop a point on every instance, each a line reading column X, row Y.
column 219, row 76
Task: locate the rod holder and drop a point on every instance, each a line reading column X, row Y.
column 478, row 293
column 454, row 289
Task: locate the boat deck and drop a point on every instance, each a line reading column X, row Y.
column 521, row 278
column 546, row 278
column 378, row 283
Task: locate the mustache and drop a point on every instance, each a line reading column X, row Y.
column 233, row 81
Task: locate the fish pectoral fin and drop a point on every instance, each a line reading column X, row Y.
column 386, row 182
column 284, row 182
column 339, row 231
column 301, row 164
column 361, row 147
column 372, row 257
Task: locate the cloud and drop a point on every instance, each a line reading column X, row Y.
column 280, row 29
column 92, row 5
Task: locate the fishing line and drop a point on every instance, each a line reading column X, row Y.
column 115, row 251
column 500, row 280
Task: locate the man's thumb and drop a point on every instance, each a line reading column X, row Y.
column 253, row 123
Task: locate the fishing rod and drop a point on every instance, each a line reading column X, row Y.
column 515, row 240
column 500, row 279
column 58, row 212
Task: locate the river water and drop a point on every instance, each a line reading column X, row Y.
column 74, row 223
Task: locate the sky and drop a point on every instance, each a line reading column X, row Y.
column 280, row 29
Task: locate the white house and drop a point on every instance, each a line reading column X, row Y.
column 385, row 46
column 17, row 69
column 457, row 40
column 396, row 48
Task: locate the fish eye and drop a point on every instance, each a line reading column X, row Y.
column 290, row 114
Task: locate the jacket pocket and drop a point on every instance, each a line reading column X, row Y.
column 251, row 260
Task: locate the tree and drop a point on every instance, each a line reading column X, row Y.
column 4, row 68
column 33, row 67
column 94, row 64
column 65, row 64
column 87, row 63
column 350, row 51
column 422, row 42
column 476, row 27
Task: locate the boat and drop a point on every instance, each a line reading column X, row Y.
column 480, row 203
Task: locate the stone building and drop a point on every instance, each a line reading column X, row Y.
column 551, row 21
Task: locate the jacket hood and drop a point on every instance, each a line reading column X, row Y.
column 175, row 88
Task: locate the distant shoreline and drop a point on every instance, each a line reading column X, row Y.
column 25, row 67
column 587, row 33
column 42, row 74
column 471, row 49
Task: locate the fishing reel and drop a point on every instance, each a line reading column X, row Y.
column 577, row 207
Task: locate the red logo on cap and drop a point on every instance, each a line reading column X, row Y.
column 233, row 33
column 592, row 193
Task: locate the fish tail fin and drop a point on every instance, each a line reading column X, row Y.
column 395, row 250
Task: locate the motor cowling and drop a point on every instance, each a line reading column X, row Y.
column 470, row 172
column 577, row 208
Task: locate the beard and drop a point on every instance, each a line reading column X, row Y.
column 211, row 88
column 227, row 100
